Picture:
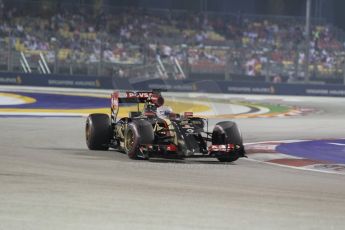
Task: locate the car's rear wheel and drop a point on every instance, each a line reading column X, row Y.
column 224, row 133
column 138, row 132
column 98, row 131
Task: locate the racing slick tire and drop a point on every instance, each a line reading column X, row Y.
column 138, row 132
column 227, row 132
column 98, row 131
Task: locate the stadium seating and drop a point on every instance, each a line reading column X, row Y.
column 250, row 45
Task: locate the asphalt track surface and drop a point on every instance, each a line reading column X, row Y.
column 49, row 180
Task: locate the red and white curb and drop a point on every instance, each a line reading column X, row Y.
column 267, row 153
column 297, row 112
column 291, row 113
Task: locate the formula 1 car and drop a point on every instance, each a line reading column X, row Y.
column 156, row 131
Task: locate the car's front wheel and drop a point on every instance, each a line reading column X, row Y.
column 137, row 133
column 224, row 133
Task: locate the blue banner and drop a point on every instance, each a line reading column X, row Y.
column 202, row 86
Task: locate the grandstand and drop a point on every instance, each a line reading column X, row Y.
column 150, row 43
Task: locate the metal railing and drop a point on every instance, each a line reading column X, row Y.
column 207, row 60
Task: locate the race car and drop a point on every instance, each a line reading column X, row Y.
column 154, row 130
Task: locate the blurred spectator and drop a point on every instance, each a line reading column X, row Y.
column 252, row 44
column 277, row 79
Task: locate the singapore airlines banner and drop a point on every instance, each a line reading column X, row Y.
column 204, row 86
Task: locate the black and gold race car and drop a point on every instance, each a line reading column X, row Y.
column 155, row 131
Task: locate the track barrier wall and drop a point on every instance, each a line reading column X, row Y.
column 202, row 86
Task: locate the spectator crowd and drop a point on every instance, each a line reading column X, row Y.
column 237, row 43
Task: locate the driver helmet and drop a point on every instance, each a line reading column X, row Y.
column 149, row 107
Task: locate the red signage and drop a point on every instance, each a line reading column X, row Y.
column 139, row 94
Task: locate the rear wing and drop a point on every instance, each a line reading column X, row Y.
column 134, row 97
column 138, row 97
